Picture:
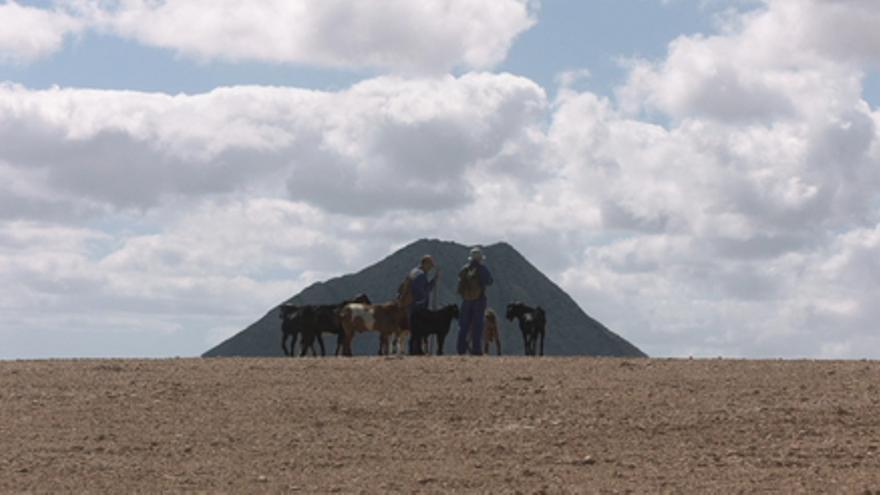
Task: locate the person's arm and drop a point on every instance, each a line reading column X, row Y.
column 486, row 276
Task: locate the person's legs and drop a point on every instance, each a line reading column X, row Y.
column 415, row 339
column 478, row 310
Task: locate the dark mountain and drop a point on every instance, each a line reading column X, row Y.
column 570, row 331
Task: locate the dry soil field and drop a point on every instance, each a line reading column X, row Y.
column 440, row 425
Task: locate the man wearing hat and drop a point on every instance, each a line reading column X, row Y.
column 421, row 289
column 473, row 279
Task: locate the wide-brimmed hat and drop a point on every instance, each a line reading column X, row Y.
column 476, row 254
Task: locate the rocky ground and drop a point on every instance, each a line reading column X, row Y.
column 440, row 425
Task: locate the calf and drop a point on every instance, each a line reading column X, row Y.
column 385, row 318
column 427, row 322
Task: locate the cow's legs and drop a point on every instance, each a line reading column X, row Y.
column 340, row 342
column 304, row 345
column 284, row 343
column 320, row 340
column 346, row 342
column 383, row 344
column 441, row 339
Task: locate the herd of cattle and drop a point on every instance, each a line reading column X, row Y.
column 392, row 322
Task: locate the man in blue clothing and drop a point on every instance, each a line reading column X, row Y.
column 420, row 288
column 473, row 279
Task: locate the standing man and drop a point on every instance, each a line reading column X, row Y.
column 473, row 279
column 420, row 289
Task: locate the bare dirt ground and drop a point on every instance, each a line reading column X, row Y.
column 440, row 425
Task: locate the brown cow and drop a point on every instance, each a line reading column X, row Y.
column 384, row 318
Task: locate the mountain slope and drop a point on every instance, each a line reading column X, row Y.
column 570, row 331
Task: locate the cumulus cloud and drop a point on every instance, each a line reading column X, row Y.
column 431, row 36
column 784, row 60
column 425, row 36
column 201, row 273
column 165, row 190
column 388, row 143
column 31, row 33
column 719, row 224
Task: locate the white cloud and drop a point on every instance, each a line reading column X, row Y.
column 784, row 60
column 30, row 33
column 429, row 36
column 212, row 208
column 216, row 266
column 716, row 232
column 387, row 143
column 839, row 30
column 737, row 226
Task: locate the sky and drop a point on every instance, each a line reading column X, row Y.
column 701, row 176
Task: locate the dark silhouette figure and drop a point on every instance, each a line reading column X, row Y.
column 310, row 321
column 532, row 323
column 427, row 322
column 473, row 280
column 291, row 325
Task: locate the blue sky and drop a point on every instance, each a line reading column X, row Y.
column 569, row 35
column 700, row 175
